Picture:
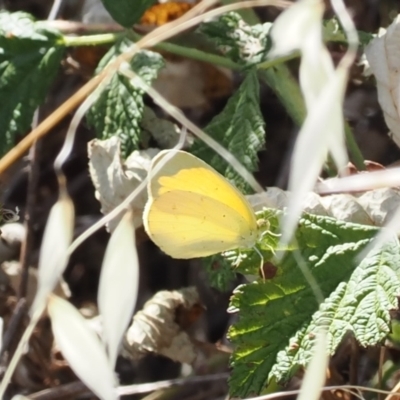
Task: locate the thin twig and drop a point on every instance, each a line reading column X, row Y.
column 354, row 360
column 151, row 387
column 382, row 354
column 69, row 390
column 55, row 9
column 394, row 394
column 74, row 388
column 15, row 320
column 68, row 27
column 27, row 244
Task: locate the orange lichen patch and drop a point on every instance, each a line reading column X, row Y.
column 160, row 14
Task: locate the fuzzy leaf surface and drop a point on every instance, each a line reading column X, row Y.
column 240, row 129
column 29, row 59
column 119, row 108
column 360, row 306
column 242, row 43
column 276, row 314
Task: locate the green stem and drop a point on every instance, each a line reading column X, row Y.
column 277, row 61
column 281, row 81
column 355, row 154
column 198, row 55
column 91, row 40
column 192, row 53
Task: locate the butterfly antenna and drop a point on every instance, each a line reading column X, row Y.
column 261, row 263
column 264, row 223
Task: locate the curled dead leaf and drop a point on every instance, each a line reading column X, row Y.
column 114, row 179
column 158, row 328
column 374, row 207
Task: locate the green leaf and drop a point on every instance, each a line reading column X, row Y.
column 237, row 40
column 240, row 129
column 360, row 306
column 275, row 314
column 119, row 107
column 334, row 32
column 127, row 12
column 29, row 59
column 285, row 86
column 248, row 261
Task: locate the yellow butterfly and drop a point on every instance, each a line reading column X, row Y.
column 193, row 211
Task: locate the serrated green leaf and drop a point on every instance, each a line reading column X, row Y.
column 118, row 109
column 222, row 268
column 240, row 129
column 257, row 260
column 29, row 59
column 127, row 12
column 274, row 311
column 242, row 43
column 360, row 306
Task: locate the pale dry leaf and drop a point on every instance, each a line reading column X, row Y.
column 118, row 286
column 300, row 28
column 155, row 328
column 301, row 17
column 383, row 55
column 114, row 180
column 375, row 207
column 380, row 204
column 82, row 348
column 327, row 112
column 53, row 256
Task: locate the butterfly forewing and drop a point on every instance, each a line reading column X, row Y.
column 193, row 211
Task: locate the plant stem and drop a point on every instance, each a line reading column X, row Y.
column 355, row 154
column 278, row 61
column 192, row 53
column 281, row 81
column 91, row 40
